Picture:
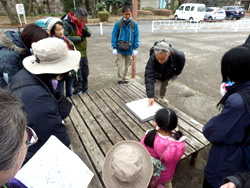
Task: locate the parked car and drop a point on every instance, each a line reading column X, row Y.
column 214, row 13
column 234, row 12
column 190, row 11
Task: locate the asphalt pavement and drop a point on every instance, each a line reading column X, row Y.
column 197, row 90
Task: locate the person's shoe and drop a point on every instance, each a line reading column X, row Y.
column 126, row 82
column 77, row 92
column 87, row 91
column 119, row 82
column 163, row 100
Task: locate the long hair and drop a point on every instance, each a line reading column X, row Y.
column 167, row 120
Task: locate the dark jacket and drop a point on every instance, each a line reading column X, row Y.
column 12, row 52
column 41, row 107
column 227, row 133
column 240, row 180
column 155, row 70
column 70, row 31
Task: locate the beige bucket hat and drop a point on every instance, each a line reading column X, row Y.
column 127, row 164
column 51, row 56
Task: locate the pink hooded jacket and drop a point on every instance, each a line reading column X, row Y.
column 171, row 156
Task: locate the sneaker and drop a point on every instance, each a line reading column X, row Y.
column 87, row 91
column 119, row 82
column 126, row 82
column 77, row 92
column 163, row 100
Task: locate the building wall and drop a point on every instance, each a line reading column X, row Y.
column 150, row 3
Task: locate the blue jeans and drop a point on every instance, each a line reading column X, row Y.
column 82, row 83
column 69, row 84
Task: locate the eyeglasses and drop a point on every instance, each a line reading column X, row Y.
column 160, row 50
column 32, row 138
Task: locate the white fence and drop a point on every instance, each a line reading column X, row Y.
column 187, row 25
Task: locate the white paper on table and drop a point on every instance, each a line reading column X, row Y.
column 141, row 110
column 55, row 166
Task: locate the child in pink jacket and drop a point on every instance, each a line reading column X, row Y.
column 165, row 135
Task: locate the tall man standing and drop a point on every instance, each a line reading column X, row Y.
column 125, row 41
column 76, row 31
column 164, row 64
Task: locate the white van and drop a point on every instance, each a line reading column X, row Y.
column 190, row 11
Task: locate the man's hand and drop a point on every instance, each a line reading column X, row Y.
column 115, row 52
column 135, row 52
column 228, row 185
column 151, row 102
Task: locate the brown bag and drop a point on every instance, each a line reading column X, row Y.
column 123, row 45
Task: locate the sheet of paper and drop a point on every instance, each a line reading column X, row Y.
column 55, row 166
column 141, row 110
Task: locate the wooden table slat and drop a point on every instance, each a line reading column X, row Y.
column 102, row 121
column 198, row 135
column 116, row 122
column 95, row 130
column 96, row 155
column 77, row 148
column 145, row 126
column 122, row 115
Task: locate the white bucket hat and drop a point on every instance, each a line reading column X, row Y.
column 51, row 56
column 127, row 164
column 51, row 22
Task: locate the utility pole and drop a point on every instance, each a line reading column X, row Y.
column 135, row 6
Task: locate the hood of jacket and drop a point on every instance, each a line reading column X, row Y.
column 13, row 41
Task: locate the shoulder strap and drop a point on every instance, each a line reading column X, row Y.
column 120, row 26
column 120, row 23
column 133, row 24
column 166, row 149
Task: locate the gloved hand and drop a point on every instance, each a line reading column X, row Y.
column 135, row 52
column 82, row 38
column 115, row 52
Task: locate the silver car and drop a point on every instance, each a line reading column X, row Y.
column 214, row 13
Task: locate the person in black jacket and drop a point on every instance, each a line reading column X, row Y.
column 164, row 64
column 239, row 180
column 36, row 85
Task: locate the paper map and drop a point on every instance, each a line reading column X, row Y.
column 55, row 165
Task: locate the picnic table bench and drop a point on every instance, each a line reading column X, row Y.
column 99, row 120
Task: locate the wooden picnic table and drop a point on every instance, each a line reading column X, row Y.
column 99, row 120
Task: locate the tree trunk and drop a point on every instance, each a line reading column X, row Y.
column 82, row 3
column 30, row 7
column 92, row 7
column 48, row 7
column 10, row 10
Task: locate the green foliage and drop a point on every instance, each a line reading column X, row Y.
column 45, row 14
column 68, row 6
column 148, row 8
column 103, row 16
column 32, row 14
column 119, row 11
column 116, row 4
column 99, row 7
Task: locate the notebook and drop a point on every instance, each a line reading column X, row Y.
column 141, row 110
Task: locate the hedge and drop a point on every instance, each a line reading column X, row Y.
column 145, row 12
column 162, row 12
column 103, row 16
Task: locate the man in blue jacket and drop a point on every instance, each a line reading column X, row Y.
column 125, row 41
